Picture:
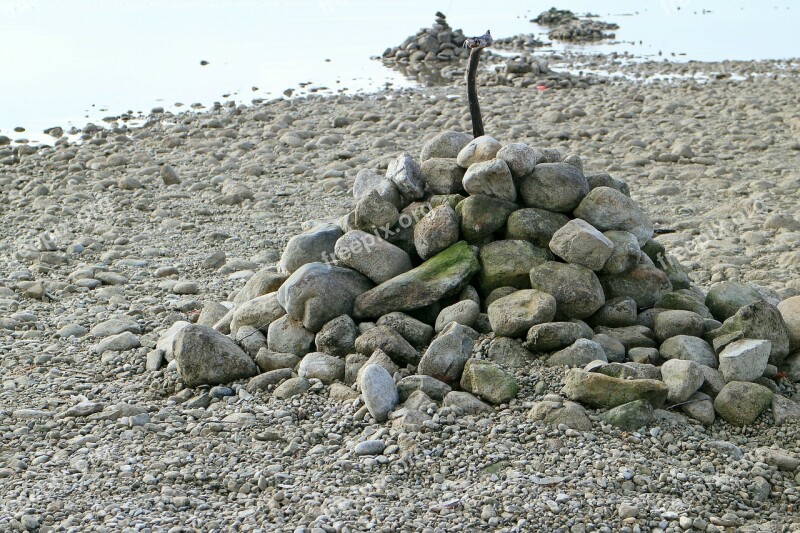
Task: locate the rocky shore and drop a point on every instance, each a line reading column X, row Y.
column 113, row 241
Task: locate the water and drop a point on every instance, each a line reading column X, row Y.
column 68, row 63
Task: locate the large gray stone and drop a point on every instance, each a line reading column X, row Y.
column 577, row 290
column 491, row 178
column 482, row 216
column 608, row 209
column 487, row 380
column 682, row 377
column 442, row 275
column 520, row 158
column 446, row 144
column 689, row 348
column 379, row 392
column 404, row 172
column 374, row 214
column 464, row 312
column 739, row 403
column 206, row 357
column 324, row 367
column 314, row 245
column 580, row 353
column 598, row 390
column 287, row 335
column 630, row 416
column 259, row 313
column 371, row 256
column 790, row 311
column 556, row 187
column 368, row 180
column 436, row 231
column 553, row 336
column 390, row 342
column 442, row 176
column 615, row 313
column 316, row 293
column 626, row 253
column 727, row 297
column 513, row 315
column 431, row 386
column 646, row 284
column 675, row 322
column 447, row 354
column 337, row 337
column 535, row 225
column 263, row 282
column 580, row 243
column 744, row 360
column 417, row 333
column 479, row 149
column 759, row 320
column 508, row 264
column 466, row 402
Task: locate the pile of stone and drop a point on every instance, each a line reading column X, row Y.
column 478, row 238
column 566, row 26
column 440, row 42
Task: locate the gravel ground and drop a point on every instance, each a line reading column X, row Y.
column 94, row 233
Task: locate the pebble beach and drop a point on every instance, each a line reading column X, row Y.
column 117, row 233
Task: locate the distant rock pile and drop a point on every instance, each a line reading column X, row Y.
column 440, row 42
column 566, row 26
column 517, row 242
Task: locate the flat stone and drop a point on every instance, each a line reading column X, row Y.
column 598, row 390
column 744, row 360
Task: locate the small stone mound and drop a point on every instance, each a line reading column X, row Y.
column 439, row 42
column 566, row 26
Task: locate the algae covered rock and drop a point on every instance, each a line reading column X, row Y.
column 598, row 390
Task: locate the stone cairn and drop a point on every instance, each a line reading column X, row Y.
column 509, row 242
column 566, row 26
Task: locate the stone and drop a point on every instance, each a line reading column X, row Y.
column 714, row 382
column 466, row 402
column 671, row 323
column 488, row 381
column 759, row 320
column 626, row 253
column 259, row 313
column 508, row 263
column 700, row 407
column 785, row 410
column 600, row 391
column 115, row 326
column 287, row 335
column 321, row 366
column 577, row 290
column 273, row 377
column 491, row 178
column 744, row 360
column 553, row 336
column 250, row 339
column 790, row 311
column 436, row 231
column 628, row 370
column 644, row 283
column 478, row 149
column 482, row 216
column 268, row 360
column 682, row 377
column 779, row 458
column 557, row 187
column 554, row 411
column 535, row 225
column 643, row 355
column 121, row 342
column 615, row 313
column 520, row 158
column 379, row 392
column 606, row 180
column 405, row 173
column 447, row 354
column 169, row 176
column 578, row 242
column 211, row 313
column 316, row 293
column 444, row 274
column 684, row 300
column 370, row 447
column 373, row 214
column 614, row 350
column 442, row 176
column 371, row 256
column 629, row 416
column 580, row 353
column 337, row 337
column 368, row 180
column 292, row 387
column 464, row 312
column 379, row 358
column 262, row 282
column 608, row 209
column 446, row 144
column 431, row 386
column 417, row 333
column 353, row 363
column 689, row 349
column 739, row 403
column 509, row 353
column 312, row 246
column 630, row 336
column 390, row 342
column 206, row 357
column 727, row 297
column 513, row 315
column 166, row 342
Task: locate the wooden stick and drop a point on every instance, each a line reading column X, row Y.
column 472, row 92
